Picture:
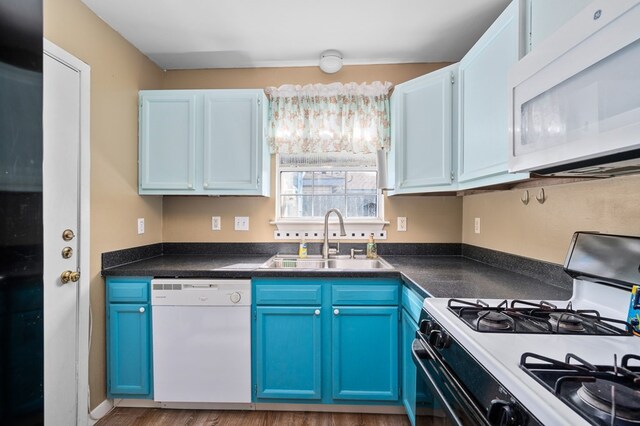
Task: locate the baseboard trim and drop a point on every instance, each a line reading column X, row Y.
column 100, row 411
column 333, row 408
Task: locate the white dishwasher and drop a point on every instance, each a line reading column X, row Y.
column 201, row 340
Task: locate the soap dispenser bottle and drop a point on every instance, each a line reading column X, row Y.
column 302, row 249
column 372, row 248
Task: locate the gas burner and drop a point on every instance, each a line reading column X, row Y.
column 535, row 317
column 494, row 320
column 601, row 393
column 567, row 322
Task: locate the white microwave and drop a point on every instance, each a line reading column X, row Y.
column 575, row 100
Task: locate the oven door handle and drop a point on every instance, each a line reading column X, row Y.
column 428, row 354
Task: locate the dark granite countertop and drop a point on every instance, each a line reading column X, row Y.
column 437, row 276
column 460, row 277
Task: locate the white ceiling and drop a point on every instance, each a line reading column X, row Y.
column 181, row 34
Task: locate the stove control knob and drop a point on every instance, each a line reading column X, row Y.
column 439, row 339
column 503, row 413
column 426, row 326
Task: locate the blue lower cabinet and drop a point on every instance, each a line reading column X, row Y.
column 409, row 371
column 326, row 341
column 364, row 353
column 288, row 351
column 128, row 347
column 129, row 365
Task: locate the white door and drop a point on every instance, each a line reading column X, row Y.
column 65, row 301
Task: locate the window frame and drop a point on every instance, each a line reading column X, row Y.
column 354, row 225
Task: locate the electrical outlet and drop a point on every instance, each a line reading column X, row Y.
column 215, row 223
column 241, row 223
column 140, row 225
column 476, row 225
column 402, row 224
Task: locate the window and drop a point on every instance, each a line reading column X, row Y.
column 311, row 184
column 325, row 138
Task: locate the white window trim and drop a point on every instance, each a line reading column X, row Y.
column 313, row 228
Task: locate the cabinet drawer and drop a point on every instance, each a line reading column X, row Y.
column 365, row 294
column 412, row 303
column 288, row 294
column 123, row 290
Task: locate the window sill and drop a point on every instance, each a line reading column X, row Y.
column 313, row 229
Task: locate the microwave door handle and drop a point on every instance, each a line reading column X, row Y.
column 433, row 387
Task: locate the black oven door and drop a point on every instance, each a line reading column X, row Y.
column 454, row 400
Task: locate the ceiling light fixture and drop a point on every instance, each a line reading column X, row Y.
column 330, row 61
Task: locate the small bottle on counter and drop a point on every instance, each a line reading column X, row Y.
column 372, row 248
column 302, row 249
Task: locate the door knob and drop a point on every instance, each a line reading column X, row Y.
column 67, row 276
column 68, row 235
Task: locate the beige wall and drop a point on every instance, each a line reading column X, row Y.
column 429, row 219
column 543, row 231
column 118, row 71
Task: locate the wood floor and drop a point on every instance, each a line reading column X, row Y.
column 166, row 417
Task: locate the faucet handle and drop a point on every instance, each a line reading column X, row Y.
column 354, row 251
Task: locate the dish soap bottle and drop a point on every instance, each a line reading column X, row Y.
column 302, row 249
column 372, row 248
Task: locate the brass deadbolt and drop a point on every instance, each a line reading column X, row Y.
column 67, row 252
column 68, row 235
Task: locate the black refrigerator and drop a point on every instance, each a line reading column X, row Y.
column 21, row 255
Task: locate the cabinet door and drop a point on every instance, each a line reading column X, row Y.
column 167, row 141
column 483, row 118
column 232, row 145
column 128, row 350
column 288, row 351
column 364, row 353
column 414, row 392
column 422, row 118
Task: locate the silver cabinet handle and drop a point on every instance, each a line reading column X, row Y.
column 141, row 310
column 317, row 312
column 336, row 311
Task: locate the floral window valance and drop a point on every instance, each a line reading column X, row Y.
column 329, row 118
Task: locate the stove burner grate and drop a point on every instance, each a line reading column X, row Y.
column 529, row 317
column 603, row 395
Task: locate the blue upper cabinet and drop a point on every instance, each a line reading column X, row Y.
column 222, row 129
column 422, row 134
column 167, row 141
column 483, row 102
column 232, row 142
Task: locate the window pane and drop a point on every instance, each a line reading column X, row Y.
column 329, row 182
column 296, row 183
column 358, row 182
column 296, row 206
column 362, row 206
column 322, row 203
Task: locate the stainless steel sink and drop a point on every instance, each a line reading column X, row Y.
column 317, row 263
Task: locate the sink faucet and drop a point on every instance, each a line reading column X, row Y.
column 325, row 244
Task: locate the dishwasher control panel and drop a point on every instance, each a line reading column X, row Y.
column 200, row 292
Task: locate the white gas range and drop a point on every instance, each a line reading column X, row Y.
column 511, row 362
